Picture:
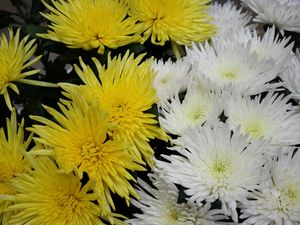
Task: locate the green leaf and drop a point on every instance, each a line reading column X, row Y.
column 33, row 29
column 137, row 48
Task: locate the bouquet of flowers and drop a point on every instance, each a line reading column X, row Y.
column 150, row 112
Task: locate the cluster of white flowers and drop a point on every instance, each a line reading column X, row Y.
column 160, row 206
column 231, row 108
column 284, row 14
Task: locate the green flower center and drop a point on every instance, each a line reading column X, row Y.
column 219, row 169
column 288, row 196
column 174, row 215
column 230, row 75
column 164, row 80
column 255, row 130
column 197, row 115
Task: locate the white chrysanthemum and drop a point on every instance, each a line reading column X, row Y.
column 216, row 164
column 280, row 203
column 291, row 76
column 171, row 77
column 196, row 108
column 270, row 117
column 228, row 18
column 268, row 47
column 284, row 14
column 160, row 206
column 231, row 65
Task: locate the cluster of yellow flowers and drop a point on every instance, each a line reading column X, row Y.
column 98, row 24
column 66, row 171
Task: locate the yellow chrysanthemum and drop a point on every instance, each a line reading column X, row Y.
column 15, row 55
column 48, row 197
column 181, row 21
column 91, row 24
column 78, row 142
column 126, row 92
column 12, row 161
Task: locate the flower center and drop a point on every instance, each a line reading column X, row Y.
column 255, row 130
column 173, row 216
column 229, row 72
column 65, row 204
column 219, row 169
column 285, row 201
column 288, row 196
column 229, row 75
column 122, row 118
column 164, row 79
column 197, row 115
column 90, row 153
column 118, row 112
column 66, row 201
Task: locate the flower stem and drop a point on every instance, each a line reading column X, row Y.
column 175, row 48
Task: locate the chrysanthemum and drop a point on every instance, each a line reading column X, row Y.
column 12, row 161
column 171, row 77
column 227, row 18
column 269, row 47
column 126, row 92
column 90, row 24
column 180, row 21
column 78, row 142
column 15, row 56
column 216, row 164
column 279, row 204
column 160, row 206
column 46, row 196
column 291, row 76
column 284, row 14
column 231, row 65
column 269, row 117
column 196, row 108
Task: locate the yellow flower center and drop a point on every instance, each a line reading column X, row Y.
column 291, row 194
column 66, row 201
column 165, row 80
column 173, row 216
column 65, row 204
column 229, row 72
column 219, row 169
column 229, row 75
column 197, row 115
column 254, row 130
column 119, row 110
column 288, row 196
column 123, row 117
column 90, row 153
